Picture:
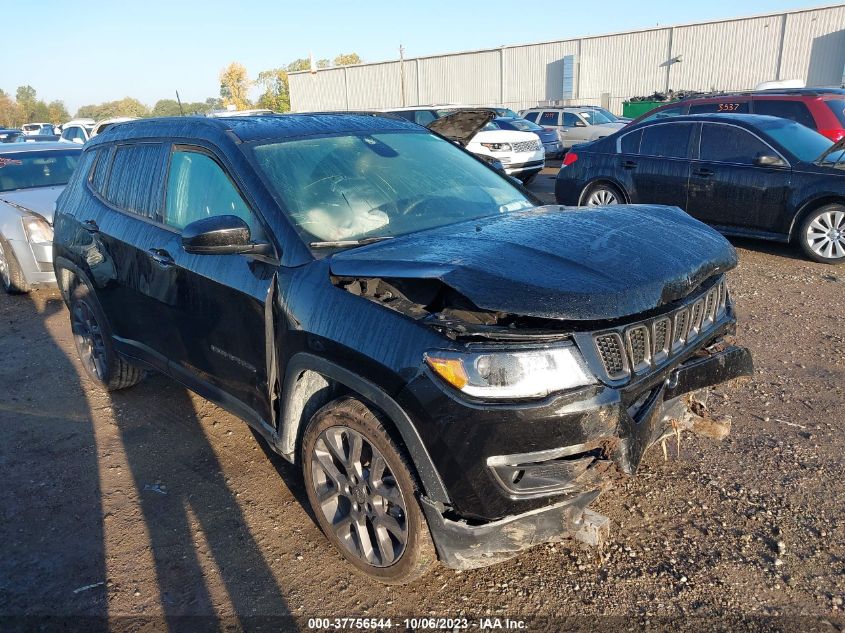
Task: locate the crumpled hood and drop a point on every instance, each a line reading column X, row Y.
column 462, row 125
column 588, row 263
column 42, row 200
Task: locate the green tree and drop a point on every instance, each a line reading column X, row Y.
column 347, row 59
column 323, row 63
column 166, row 107
column 26, row 99
column 234, row 86
column 299, row 64
column 276, row 95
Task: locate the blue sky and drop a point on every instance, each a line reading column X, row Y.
column 89, row 51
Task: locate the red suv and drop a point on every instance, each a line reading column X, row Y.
column 822, row 110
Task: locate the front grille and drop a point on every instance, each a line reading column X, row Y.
column 526, row 146
column 639, row 347
column 612, row 355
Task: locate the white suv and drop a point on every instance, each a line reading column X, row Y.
column 521, row 153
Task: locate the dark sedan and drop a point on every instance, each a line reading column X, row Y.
column 548, row 136
column 747, row 175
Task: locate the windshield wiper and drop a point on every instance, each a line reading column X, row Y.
column 837, row 145
column 348, row 243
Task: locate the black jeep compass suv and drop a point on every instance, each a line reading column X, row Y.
column 458, row 371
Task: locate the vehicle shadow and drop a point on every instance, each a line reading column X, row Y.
column 52, row 557
column 779, row 249
column 195, row 523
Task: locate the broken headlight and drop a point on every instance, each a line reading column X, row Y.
column 38, row 230
column 512, row 375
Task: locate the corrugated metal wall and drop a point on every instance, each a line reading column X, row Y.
column 725, row 55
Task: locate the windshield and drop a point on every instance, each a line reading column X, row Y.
column 524, row 126
column 595, row 117
column 26, row 170
column 805, row 143
column 608, row 114
column 506, row 113
column 354, row 187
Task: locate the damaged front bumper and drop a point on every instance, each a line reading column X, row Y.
column 562, row 482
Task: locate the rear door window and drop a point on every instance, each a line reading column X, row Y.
column 136, row 179
column 670, row 140
column 531, row 116
column 198, row 187
column 731, row 107
column 730, row 144
column 793, row 110
column 549, row 118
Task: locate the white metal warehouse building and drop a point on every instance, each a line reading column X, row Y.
column 734, row 54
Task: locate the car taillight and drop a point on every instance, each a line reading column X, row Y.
column 833, row 135
column 570, row 158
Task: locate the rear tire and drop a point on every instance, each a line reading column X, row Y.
column 364, row 495
column 11, row 275
column 822, row 234
column 92, row 337
column 601, row 194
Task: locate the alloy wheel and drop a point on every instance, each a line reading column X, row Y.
column 826, row 234
column 4, row 269
column 601, row 197
column 88, row 336
column 359, row 496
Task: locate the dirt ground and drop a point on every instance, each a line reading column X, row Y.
column 156, row 505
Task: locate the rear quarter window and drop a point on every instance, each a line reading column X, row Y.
column 630, row 143
column 837, row 106
column 100, row 170
column 792, row 110
column 549, row 118
column 135, row 181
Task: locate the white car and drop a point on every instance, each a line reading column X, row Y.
column 32, row 129
column 521, row 153
column 83, row 130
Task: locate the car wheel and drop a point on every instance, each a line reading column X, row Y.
column 92, row 337
column 527, row 180
column 822, row 234
column 364, row 495
column 11, row 275
column 601, row 195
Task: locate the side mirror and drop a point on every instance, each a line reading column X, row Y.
column 217, row 235
column 769, row 160
column 580, row 123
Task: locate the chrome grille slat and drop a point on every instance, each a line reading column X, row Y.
column 639, row 347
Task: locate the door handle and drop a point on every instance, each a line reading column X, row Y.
column 91, row 226
column 161, row 257
column 629, row 164
column 703, row 172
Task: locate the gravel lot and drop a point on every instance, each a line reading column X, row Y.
column 153, row 502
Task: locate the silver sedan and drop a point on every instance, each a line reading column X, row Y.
column 32, row 175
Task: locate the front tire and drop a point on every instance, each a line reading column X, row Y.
column 364, row 495
column 822, row 234
column 11, row 274
column 601, row 194
column 92, row 337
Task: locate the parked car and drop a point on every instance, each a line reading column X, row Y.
column 521, row 153
column 607, row 113
column 747, row 175
column 549, row 139
column 78, row 130
column 820, row 109
column 8, row 135
column 443, row 359
column 38, row 128
column 32, row 175
column 573, row 125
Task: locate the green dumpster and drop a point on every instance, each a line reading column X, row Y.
column 634, row 109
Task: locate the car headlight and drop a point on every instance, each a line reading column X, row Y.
column 38, row 230
column 497, row 147
column 512, row 375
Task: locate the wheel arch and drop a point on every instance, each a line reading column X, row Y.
column 606, row 180
column 311, row 382
column 810, row 206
